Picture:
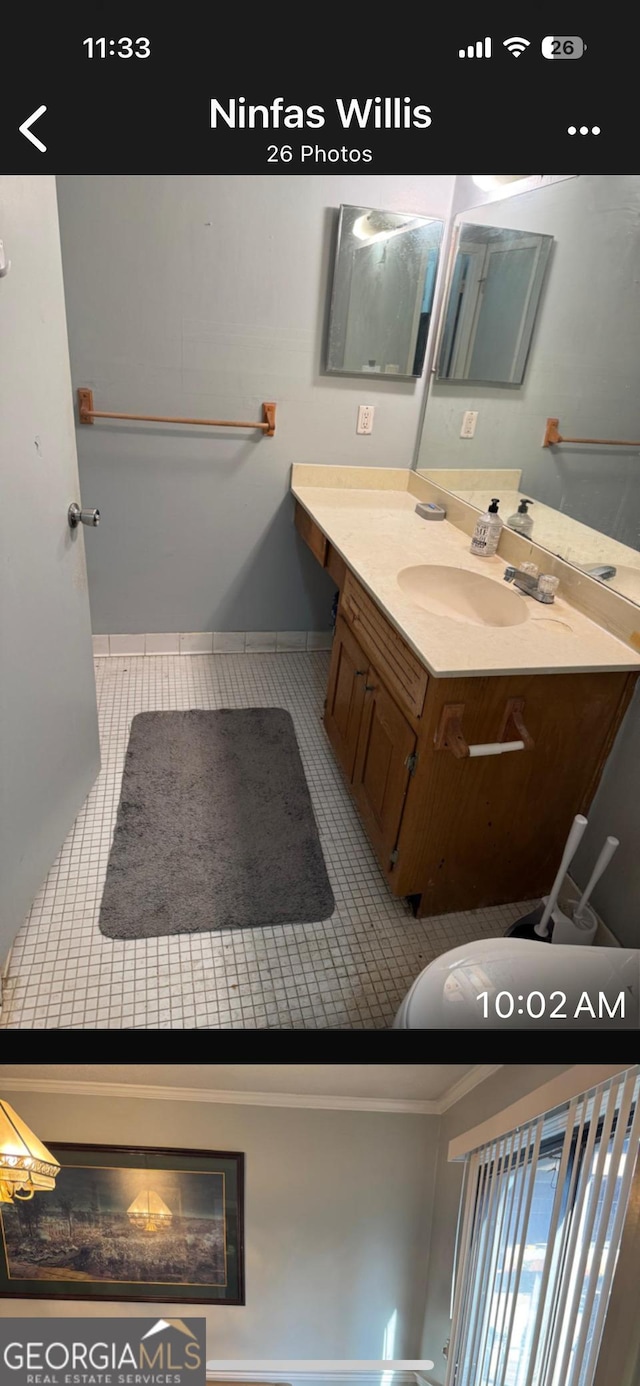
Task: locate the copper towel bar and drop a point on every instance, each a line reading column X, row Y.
column 87, row 414
column 552, row 437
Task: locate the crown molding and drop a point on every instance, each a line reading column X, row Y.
column 229, row 1097
column 466, row 1084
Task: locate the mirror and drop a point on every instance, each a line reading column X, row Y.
column 382, row 298
column 582, row 372
column 491, row 306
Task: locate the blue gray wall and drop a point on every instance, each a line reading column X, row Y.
column 338, row 1213
column 206, row 296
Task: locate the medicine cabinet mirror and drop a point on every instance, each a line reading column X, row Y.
column 382, row 298
column 491, row 306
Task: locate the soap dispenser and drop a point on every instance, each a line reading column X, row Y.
column 522, row 521
column 487, row 531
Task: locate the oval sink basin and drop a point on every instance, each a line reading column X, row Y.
column 462, row 595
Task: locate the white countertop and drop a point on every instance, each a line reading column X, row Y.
column 377, row 533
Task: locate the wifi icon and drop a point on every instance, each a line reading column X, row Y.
column 516, row 46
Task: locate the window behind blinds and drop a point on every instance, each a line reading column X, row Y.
column 541, row 1222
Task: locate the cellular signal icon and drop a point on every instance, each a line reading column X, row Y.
column 481, row 49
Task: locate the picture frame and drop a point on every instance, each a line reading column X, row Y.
column 142, row 1224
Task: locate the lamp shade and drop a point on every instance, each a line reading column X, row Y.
column 26, row 1166
column 149, row 1212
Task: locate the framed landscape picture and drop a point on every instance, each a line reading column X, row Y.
column 130, row 1224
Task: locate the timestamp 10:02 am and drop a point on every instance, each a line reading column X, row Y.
column 317, row 154
column 536, row 1006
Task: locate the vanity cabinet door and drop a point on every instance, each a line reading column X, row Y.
column 382, row 771
column 345, row 695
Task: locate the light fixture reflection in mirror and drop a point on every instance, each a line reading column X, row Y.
column 149, row 1212
column 383, row 288
column 490, row 181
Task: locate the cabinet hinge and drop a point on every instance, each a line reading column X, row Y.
column 411, row 762
column 394, row 857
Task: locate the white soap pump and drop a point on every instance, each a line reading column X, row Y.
column 487, row 531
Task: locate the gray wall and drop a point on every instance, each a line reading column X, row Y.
column 616, row 810
column 583, row 364
column 509, row 1084
column 338, row 1208
column 206, row 296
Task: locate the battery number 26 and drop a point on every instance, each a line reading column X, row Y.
column 564, row 47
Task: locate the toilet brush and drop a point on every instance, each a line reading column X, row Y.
column 535, row 925
column 610, row 846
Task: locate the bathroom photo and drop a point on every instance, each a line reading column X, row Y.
column 320, row 601
column 328, row 1224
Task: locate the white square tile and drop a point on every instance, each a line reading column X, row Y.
column 157, row 642
column 319, row 639
column 260, row 641
column 348, row 972
column 228, row 642
column 196, row 642
column 291, row 640
column 100, row 645
column 126, row 644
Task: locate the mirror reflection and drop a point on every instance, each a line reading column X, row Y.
column 383, row 289
column 581, row 471
column 495, row 288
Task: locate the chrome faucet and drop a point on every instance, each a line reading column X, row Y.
column 602, row 571
column 527, row 583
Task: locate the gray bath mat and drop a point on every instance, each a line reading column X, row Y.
column 215, row 828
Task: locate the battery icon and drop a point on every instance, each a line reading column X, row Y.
column 565, row 47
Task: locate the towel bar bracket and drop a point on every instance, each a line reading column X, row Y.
column 513, row 735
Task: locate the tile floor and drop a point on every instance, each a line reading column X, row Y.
column 346, row 972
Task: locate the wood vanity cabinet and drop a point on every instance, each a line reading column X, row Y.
column 371, row 738
column 461, row 833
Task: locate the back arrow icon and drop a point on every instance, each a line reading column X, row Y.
column 26, row 131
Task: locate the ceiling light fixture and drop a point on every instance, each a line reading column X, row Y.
column 148, row 1212
column 26, row 1166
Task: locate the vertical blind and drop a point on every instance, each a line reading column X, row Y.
column 540, row 1226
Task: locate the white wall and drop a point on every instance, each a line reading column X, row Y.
column 338, row 1209
column 205, row 296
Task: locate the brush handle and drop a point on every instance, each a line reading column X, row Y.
column 610, row 846
column 577, row 829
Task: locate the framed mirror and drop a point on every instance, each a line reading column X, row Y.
column 382, row 296
column 491, row 306
column 568, row 440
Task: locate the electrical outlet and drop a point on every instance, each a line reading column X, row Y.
column 469, row 421
column 365, row 418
